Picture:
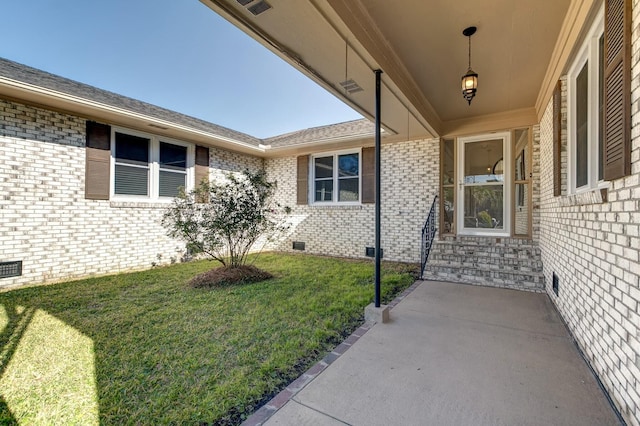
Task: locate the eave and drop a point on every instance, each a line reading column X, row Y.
column 92, row 110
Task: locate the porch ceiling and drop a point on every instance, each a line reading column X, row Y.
column 420, row 47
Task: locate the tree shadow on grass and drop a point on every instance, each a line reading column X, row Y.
column 164, row 353
column 6, row 417
column 136, row 359
column 17, row 320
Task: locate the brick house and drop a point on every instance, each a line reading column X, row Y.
column 538, row 178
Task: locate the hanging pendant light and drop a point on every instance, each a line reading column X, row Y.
column 470, row 79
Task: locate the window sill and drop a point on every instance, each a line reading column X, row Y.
column 139, row 204
column 467, row 233
column 337, row 206
column 593, row 196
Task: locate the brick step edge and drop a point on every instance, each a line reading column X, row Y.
column 484, row 260
column 479, row 270
column 486, row 267
column 524, row 285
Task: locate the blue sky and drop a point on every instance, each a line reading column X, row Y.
column 177, row 54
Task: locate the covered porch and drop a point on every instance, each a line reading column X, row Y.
column 452, row 354
column 487, row 158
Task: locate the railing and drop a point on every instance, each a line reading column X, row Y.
column 428, row 234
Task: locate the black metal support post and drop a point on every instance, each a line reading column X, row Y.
column 377, row 268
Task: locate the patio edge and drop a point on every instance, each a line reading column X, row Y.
column 270, row 408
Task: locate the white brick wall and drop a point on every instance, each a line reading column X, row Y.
column 594, row 248
column 409, row 181
column 222, row 162
column 45, row 220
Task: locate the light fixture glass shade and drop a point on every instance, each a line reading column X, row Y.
column 469, row 85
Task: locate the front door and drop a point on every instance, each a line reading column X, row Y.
column 483, row 191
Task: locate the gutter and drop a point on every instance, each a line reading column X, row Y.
column 38, row 93
column 89, row 109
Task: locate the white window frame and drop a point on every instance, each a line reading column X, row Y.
column 507, row 184
column 312, row 180
column 154, row 166
column 588, row 54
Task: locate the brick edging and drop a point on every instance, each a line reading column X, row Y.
column 278, row 401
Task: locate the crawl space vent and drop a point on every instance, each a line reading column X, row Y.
column 298, row 245
column 260, row 7
column 10, row 269
column 371, row 252
column 555, row 283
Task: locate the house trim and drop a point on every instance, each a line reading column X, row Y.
column 579, row 13
column 82, row 107
column 525, row 117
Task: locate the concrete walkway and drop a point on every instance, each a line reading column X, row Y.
column 455, row 355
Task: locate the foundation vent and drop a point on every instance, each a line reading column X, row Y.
column 371, row 252
column 10, row 269
column 298, row 245
column 555, row 283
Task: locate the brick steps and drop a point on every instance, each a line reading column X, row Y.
column 498, row 262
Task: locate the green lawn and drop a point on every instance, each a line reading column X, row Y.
column 143, row 348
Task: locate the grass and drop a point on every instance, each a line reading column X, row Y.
column 145, row 348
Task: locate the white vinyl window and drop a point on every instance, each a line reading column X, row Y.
column 335, row 178
column 131, row 174
column 149, row 167
column 484, row 184
column 172, row 169
column 585, row 93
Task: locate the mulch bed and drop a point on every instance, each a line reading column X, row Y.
column 226, row 276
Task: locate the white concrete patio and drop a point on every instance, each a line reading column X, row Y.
column 456, row 354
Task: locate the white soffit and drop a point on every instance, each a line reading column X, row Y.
column 422, row 49
column 303, row 34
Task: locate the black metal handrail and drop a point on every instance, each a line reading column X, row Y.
column 428, row 234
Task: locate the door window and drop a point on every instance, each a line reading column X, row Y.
column 483, row 190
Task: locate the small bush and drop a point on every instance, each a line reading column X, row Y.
column 228, row 275
column 224, row 219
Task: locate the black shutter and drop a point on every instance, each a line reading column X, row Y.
column 202, row 164
column 98, row 161
column 368, row 175
column 303, row 180
column 617, row 89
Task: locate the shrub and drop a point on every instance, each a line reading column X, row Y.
column 224, row 219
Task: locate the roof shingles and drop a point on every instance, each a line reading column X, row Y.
column 351, row 129
column 32, row 76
